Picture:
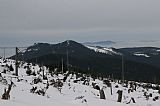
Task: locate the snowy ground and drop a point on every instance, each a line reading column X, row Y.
column 72, row 94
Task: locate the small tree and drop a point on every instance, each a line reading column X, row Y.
column 6, row 94
column 132, row 99
column 28, row 72
column 11, row 68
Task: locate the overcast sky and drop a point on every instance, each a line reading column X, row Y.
column 29, row 21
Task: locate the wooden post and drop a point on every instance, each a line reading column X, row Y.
column 111, row 89
column 119, row 95
column 102, row 95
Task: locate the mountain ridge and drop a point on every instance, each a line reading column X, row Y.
column 106, row 62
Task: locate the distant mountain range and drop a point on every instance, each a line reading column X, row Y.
column 100, row 43
column 126, row 43
column 141, row 63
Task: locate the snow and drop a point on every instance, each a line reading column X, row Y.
column 36, row 49
column 140, row 54
column 23, row 51
column 68, row 42
column 72, row 94
column 104, row 50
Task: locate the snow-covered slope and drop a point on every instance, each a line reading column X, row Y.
column 104, row 50
column 73, row 92
column 140, row 54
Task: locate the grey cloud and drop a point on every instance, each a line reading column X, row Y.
column 80, row 19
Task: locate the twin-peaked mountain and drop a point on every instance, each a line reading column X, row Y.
column 139, row 63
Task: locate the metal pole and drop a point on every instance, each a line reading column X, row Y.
column 16, row 62
column 62, row 65
column 67, row 61
column 4, row 53
column 43, row 72
column 122, row 68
